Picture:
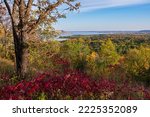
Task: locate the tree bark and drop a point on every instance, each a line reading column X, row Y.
column 21, row 52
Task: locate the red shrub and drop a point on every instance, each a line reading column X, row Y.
column 74, row 85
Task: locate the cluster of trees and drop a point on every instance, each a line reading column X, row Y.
column 101, row 58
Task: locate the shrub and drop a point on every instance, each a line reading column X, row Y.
column 72, row 85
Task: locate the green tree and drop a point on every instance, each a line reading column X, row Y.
column 108, row 54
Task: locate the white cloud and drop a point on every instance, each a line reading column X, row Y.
column 88, row 5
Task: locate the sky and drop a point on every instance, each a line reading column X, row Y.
column 108, row 15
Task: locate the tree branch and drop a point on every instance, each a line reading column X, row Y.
column 21, row 9
column 28, row 9
column 44, row 14
column 8, row 8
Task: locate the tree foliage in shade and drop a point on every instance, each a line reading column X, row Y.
column 26, row 17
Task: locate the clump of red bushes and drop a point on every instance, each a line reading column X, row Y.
column 72, row 85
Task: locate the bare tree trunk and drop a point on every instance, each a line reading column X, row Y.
column 21, row 53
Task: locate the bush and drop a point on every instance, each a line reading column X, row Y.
column 72, row 85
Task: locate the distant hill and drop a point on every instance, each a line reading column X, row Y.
column 144, row 31
column 75, row 33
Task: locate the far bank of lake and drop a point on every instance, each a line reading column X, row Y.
column 66, row 34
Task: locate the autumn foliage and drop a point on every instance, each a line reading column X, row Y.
column 72, row 85
column 77, row 69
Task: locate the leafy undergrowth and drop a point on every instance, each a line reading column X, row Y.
column 6, row 66
column 72, row 85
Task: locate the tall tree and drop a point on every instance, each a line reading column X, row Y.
column 26, row 16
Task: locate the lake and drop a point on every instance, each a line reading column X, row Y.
column 75, row 33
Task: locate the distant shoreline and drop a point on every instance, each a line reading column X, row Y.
column 72, row 33
column 66, row 34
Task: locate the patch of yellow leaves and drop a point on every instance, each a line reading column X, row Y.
column 92, row 57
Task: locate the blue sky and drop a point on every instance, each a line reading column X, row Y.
column 108, row 15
